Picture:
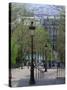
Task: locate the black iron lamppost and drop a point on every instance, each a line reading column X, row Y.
column 46, row 57
column 32, row 29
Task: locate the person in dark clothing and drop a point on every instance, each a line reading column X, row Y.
column 58, row 65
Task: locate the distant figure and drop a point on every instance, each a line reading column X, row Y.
column 58, row 65
column 49, row 65
column 44, row 65
column 28, row 65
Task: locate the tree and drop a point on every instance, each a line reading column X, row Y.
column 61, row 37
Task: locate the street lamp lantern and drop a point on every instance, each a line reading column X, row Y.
column 32, row 80
column 32, row 29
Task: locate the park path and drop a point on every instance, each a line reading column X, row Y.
column 20, row 77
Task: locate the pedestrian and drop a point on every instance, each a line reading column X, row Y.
column 58, row 65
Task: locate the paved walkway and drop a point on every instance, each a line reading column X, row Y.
column 20, row 77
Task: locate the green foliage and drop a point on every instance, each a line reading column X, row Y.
column 14, row 53
column 61, row 39
column 21, row 39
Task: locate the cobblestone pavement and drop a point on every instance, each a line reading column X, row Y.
column 20, row 77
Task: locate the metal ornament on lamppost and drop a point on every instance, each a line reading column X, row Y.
column 45, row 57
column 32, row 29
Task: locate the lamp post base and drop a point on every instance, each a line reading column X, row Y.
column 32, row 80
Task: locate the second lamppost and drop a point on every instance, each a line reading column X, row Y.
column 46, row 57
column 32, row 29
